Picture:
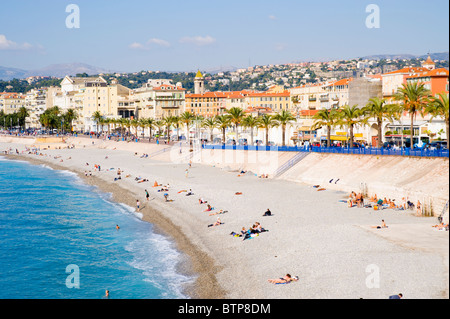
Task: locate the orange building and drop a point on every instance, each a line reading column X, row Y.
column 208, row 104
column 435, row 80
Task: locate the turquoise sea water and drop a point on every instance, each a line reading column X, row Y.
column 58, row 240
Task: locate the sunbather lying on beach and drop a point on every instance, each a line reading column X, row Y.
column 219, row 212
column 284, row 280
column 217, row 223
column 441, row 226
column 201, row 201
column 208, row 208
column 383, row 225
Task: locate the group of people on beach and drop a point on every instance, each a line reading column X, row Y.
column 251, row 232
column 376, row 203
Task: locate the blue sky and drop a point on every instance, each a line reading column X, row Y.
column 186, row 35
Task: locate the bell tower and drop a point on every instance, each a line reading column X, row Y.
column 199, row 83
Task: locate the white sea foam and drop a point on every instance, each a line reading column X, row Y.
column 157, row 258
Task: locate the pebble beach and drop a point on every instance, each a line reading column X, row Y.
column 333, row 249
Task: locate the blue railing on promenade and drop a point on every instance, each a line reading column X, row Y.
column 382, row 151
column 335, row 150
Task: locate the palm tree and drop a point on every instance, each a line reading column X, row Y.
column 284, row 118
column 438, row 106
column 96, row 116
column 22, row 114
column 186, row 118
column 176, row 120
column 127, row 124
column 223, row 121
column 267, row 121
column 135, row 124
column 168, row 123
column 326, row 118
column 144, row 122
column 236, row 116
column 350, row 116
column 102, row 121
column 159, row 124
column 250, row 122
column 69, row 117
column 414, row 97
column 378, row 109
column 211, row 124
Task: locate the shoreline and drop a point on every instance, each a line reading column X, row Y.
column 199, row 264
column 312, row 234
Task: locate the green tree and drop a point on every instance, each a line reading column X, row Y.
column 284, row 118
column 211, row 124
column 96, row 116
column 186, row 118
column 414, row 97
column 266, row 122
column 22, row 115
column 250, row 122
column 69, row 116
column 378, row 109
column 236, row 116
column 168, row 121
column 350, row 116
column 326, row 118
column 223, row 121
column 438, row 106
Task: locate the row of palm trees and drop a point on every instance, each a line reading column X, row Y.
column 234, row 117
column 412, row 98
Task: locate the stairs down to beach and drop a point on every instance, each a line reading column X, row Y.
column 441, row 209
column 286, row 166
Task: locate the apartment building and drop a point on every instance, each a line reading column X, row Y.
column 159, row 99
column 36, row 104
column 11, row 102
column 208, row 104
column 276, row 100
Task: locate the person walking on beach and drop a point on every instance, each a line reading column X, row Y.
column 186, row 173
column 137, row 205
column 147, row 195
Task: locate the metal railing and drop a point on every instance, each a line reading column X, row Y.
column 382, row 151
column 335, row 150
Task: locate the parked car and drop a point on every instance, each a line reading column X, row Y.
column 217, row 140
column 438, row 145
column 231, row 142
column 243, row 141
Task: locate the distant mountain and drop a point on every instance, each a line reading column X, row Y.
column 434, row 56
column 61, row 70
column 54, row 70
column 437, row 56
column 11, row 73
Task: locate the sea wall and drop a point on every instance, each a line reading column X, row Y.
column 394, row 177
